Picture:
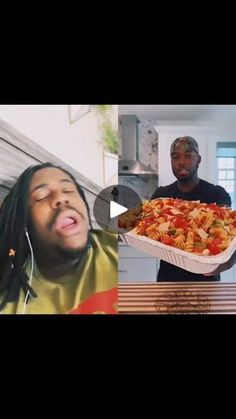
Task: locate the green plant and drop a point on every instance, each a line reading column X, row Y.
column 103, row 109
column 110, row 137
column 109, row 134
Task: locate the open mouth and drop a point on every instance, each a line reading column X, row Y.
column 68, row 223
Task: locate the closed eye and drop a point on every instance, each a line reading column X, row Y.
column 40, row 198
column 69, row 191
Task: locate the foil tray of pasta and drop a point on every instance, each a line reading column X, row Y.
column 194, row 236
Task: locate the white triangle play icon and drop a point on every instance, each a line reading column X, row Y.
column 116, row 209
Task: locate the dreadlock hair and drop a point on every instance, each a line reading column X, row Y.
column 13, row 224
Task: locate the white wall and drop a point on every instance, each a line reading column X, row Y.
column 78, row 144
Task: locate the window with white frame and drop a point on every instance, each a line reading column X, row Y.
column 226, row 168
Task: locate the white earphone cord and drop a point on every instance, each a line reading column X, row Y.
column 31, row 272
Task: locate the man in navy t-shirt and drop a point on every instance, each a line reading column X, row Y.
column 185, row 160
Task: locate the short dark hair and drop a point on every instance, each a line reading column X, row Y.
column 13, row 222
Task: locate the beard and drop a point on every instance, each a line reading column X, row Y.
column 68, row 254
column 55, row 252
column 184, row 179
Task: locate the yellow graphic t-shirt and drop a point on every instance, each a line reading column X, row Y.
column 93, row 288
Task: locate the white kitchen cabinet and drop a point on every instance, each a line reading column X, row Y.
column 135, row 266
column 229, row 276
column 137, row 269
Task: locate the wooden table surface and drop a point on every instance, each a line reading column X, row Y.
column 177, row 298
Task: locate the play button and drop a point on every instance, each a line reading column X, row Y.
column 117, row 208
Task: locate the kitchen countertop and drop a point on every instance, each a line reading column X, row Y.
column 177, row 298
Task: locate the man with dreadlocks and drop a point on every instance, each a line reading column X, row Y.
column 51, row 259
